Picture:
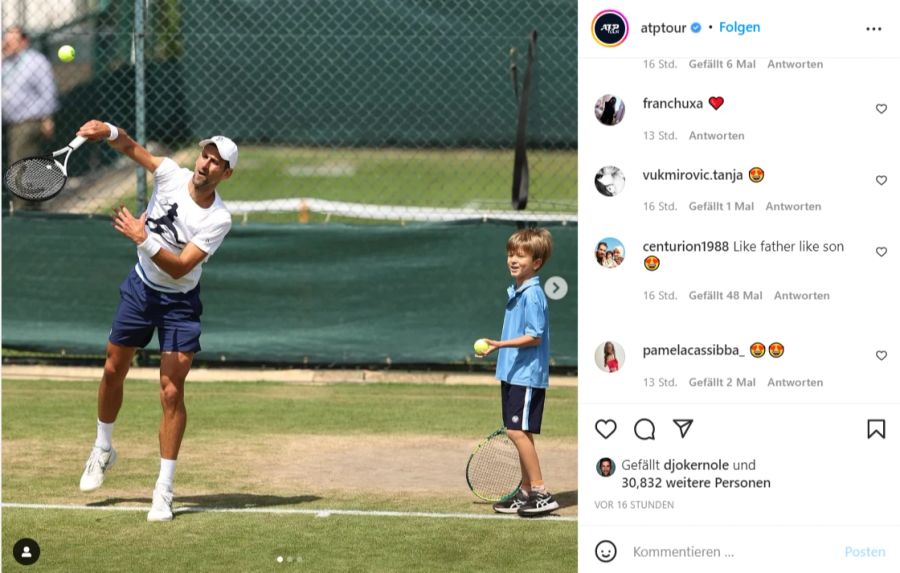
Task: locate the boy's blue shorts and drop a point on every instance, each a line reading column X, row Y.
column 523, row 407
column 142, row 310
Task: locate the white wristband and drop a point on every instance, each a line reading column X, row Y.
column 113, row 131
column 149, row 247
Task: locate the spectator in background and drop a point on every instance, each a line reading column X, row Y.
column 29, row 98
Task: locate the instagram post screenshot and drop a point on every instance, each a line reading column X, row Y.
column 552, row 285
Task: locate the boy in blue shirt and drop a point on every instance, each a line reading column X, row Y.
column 523, row 366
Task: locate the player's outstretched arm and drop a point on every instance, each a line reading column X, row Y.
column 96, row 130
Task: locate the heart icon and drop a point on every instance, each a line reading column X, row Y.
column 881, row 179
column 881, row 108
column 605, row 428
column 881, row 354
column 881, row 251
column 716, row 101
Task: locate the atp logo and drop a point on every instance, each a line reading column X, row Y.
column 610, row 28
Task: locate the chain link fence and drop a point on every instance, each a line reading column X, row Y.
column 343, row 110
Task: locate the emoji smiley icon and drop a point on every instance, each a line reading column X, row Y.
column 757, row 174
column 605, row 551
column 758, row 350
column 776, row 349
column 651, row 263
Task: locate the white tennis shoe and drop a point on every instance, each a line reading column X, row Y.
column 95, row 468
column 161, row 510
column 538, row 503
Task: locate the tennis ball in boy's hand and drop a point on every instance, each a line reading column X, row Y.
column 66, row 53
column 481, row 346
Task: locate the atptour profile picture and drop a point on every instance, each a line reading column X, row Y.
column 610, row 28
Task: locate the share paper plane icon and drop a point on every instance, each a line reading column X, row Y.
column 683, row 426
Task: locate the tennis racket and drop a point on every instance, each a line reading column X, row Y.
column 40, row 178
column 493, row 471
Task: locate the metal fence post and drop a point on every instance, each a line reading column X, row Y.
column 139, row 99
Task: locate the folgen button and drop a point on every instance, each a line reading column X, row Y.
column 739, row 28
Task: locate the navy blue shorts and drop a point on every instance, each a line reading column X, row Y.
column 142, row 310
column 523, row 407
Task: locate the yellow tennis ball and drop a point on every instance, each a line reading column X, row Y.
column 66, row 53
column 481, row 346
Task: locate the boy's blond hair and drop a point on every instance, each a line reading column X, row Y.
column 536, row 242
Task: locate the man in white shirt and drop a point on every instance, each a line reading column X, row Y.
column 184, row 224
column 29, row 102
column 29, row 96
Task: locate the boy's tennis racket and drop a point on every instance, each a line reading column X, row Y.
column 493, row 471
column 40, row 178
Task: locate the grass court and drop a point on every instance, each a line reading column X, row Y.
column 266, row 470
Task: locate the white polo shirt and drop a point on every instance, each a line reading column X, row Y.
column 174, row 220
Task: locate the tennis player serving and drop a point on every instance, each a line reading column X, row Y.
column 184, row 224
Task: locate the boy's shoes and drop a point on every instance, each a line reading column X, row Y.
column 97, row 463
column 161, row 510
column 538, row 503
column 512, row 504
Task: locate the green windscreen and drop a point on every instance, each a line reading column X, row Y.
column 315, row 294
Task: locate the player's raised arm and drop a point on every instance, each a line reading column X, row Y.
column 119, row 140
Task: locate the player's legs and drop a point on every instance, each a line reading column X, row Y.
column 523, row 411
column 528, row 458
column 526, row 481
column 179, row 339
column 131, row 328
column 540, row 501
column 112, row 383
column 511, row 406
column 109, row 401
column 173, row 371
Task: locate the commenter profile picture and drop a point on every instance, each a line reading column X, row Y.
column 610, row 253
column 609, row 110
column 609, row 181
column 610, row 356
column 606, row 467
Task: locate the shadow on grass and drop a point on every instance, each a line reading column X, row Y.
column 219, row 501
column 566, row 498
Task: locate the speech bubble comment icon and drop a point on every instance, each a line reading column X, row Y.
column 645, row 429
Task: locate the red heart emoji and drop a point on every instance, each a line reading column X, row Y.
column 716, row 102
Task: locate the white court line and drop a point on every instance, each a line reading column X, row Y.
column 273, row 510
